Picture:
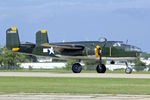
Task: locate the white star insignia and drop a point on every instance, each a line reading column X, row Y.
column 51, row 50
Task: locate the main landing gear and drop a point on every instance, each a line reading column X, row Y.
column 101, row 68
column 76, row 68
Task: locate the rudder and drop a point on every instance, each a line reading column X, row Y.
column 12, row 38
column 41, row 37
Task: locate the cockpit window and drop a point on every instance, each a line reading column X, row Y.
column 117, row 44
column 134, row 48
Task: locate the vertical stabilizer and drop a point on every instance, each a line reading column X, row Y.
column 12, row 38
column 41, row 37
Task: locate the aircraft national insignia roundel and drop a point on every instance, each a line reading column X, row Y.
column 49, row 50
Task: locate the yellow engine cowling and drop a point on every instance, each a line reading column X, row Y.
column 96, row 51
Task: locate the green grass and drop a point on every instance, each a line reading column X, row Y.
column 74, row 85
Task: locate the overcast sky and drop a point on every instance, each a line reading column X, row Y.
column 73, row 20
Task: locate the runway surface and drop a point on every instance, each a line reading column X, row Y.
column 72, row 97
column 82, row 75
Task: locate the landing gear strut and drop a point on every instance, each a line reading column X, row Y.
column 128, row 70
column 101, row 68
column 76, row 68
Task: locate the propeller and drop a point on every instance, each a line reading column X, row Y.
column 103, row 40
column 98, row 49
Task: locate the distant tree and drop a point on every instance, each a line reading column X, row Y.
column 30, row 58
column 145, row 55
column 69, row 64
column 1, row 56
column 92, row 62
column 139, row 65
column 10, row 59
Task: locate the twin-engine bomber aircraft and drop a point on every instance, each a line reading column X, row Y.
column 83, row 50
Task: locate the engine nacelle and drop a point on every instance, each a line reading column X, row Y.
column 98, row 51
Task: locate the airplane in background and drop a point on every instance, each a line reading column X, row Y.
column 81, row 50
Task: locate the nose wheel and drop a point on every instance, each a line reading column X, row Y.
column 128, row 70
column 76, row 68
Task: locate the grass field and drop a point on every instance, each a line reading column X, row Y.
column 74, row 85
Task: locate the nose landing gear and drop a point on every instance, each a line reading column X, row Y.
column 128, row 70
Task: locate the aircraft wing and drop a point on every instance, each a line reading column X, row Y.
column 94, row 58
column 64, row 46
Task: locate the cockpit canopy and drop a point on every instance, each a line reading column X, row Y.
column 120, row 44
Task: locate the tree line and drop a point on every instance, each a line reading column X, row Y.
column 9, row 60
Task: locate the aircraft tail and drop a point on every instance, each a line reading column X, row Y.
column 12, row 39
column 41, row 37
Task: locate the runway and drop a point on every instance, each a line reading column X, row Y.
column 81, row 75
column 72, row 97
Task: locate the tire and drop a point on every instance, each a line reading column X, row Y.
column 76, row 68
column 128, row 70
column 101, row 68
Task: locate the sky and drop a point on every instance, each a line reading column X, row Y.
column 78, row 20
